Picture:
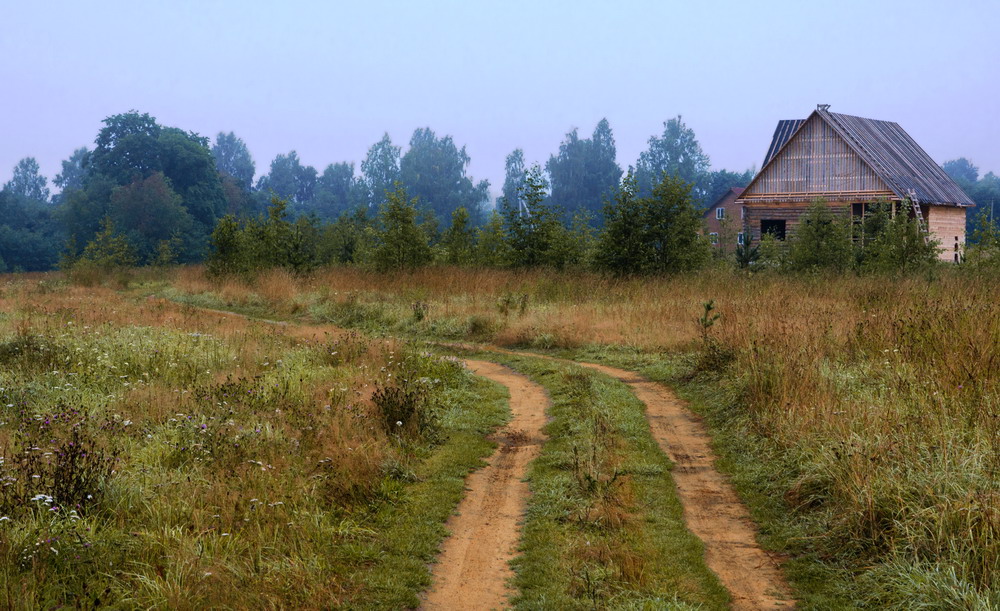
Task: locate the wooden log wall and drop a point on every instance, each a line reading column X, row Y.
column 791, row 213
column 947, row 225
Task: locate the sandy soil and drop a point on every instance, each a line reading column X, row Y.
column 472, row 570
column 712, row 511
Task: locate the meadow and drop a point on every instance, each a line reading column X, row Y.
column 159, row 456
column 858, row 416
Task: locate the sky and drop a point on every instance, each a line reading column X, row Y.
column 328, row 78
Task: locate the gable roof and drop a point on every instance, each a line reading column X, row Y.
column 732, row 193
column 887, row 149
column 784, row 131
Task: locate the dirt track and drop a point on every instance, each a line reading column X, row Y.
column 712, row 511
column 472, row 570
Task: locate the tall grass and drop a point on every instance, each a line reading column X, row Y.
column 157, row 455
column 879, row 396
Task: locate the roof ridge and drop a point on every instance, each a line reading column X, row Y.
column 869, row 157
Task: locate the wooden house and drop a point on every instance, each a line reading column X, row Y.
column 724, row 221
column 850, row 162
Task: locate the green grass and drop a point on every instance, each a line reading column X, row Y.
column 405, row 534
column 160, row 457
column 604, row 527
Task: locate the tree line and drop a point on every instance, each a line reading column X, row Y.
column 149, row 194
column 163, row 189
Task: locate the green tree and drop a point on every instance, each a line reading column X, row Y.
column 127, row 148
column 132, row 147
column 652, row 235
column 983, row 250
column 513, row 183
column 227, row 256
column 492, row 247
column 27, row 182
column 459, row 240
column 584, row 173
column 109, row 250
column 343, row 241
column 822, row 240
column 434, row 171
column 380, row 171
column 895, row 244
column 535, row 235
column 232, row 158
column 962, row 171
column 337, row 191
column 153, row 213
column 289, row 180
column 677, row 154
column 400, row 243
column 74, row 171
column 29, row 234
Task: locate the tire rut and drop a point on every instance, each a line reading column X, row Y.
column 473, row 571
column 712, row 509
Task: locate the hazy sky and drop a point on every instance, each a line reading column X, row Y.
column 328, row 78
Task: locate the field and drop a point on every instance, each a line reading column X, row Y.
column 859, row 416
column 200, row 458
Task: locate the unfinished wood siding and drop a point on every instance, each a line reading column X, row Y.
column 947, row 225
column 816, row 161
column 791, row 213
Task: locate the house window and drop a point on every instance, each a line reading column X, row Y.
column 739, row 238
column 775, row 227
column 743, row 212
column 720, row 213
column 713, row 237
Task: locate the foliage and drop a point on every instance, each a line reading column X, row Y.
column 773, row 253
column 895, row 244
column 27, row 182
column 746, row 254
column 535, row 235
column 74, row 170
column 250, row 246
column 458, row 239
column 232, row 157
column 344, row 241
column 651, row 235
column 153, row 213
column 675, row 154
column 130, row 149
column 289, row 180
column 400, row 244
column 822, row 240
column 513, row 184
column 961, row 170
column 337, row 192
column 29, row 234
column 984, row 248
column 108, row 255
column 433, row 170
column 584, row 172
column 492, row 248
column 380, row 171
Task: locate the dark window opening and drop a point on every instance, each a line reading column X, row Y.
column 773, row 227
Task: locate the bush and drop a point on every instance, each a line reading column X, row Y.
column 821, row 241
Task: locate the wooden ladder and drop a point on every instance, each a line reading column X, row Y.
column 918, row 213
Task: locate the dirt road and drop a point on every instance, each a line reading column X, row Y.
column 712, row 511
column 472, row 570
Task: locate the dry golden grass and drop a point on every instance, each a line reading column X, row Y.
column 884, row 392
